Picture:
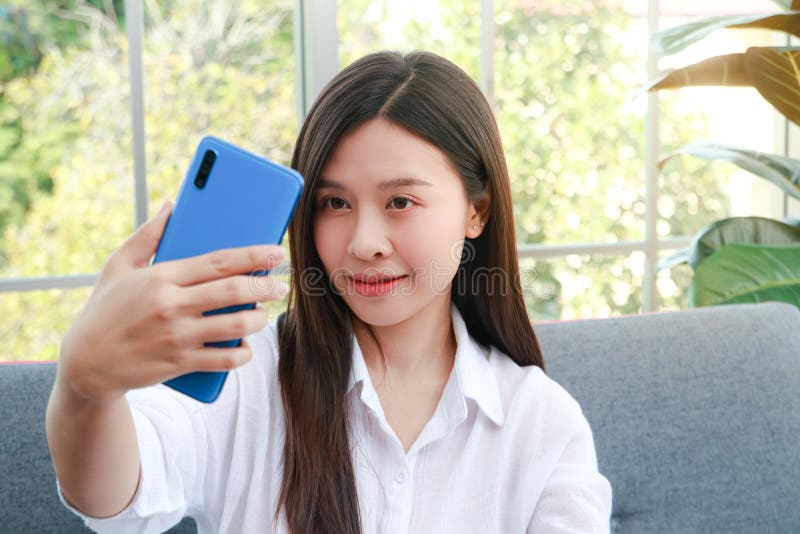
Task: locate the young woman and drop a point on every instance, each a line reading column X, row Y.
column 403, row 389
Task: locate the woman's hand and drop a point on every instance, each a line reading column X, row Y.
column 143, row 324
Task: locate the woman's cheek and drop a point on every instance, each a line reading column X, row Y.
column 439, row 256
column 325, row 241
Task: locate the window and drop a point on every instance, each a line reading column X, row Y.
column 198, row 67
column 79, row 133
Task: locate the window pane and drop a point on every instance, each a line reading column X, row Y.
column 583, row 286
column 566, row 74
column 213, row 70
column 451, row 29
column 64, row 137
column 34, row 322
column 673, row 285
column 208, row 70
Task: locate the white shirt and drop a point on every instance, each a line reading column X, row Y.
column 506, row 451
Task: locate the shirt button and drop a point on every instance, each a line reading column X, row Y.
column 400, row 477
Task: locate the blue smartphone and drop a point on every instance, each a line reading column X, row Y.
column 229, row 198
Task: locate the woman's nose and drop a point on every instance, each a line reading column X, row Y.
column 369, row 239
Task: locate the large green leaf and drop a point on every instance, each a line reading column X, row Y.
column 776, row 75
column 675, row 39
column 719, row 70
column 780, row 170
column 732, row 70
column 747, row 273
column 738, row 230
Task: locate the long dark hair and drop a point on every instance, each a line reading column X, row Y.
column 435, row 99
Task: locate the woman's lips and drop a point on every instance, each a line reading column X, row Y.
column 377, row 287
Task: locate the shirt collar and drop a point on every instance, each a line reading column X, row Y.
column 476, row 378
column 472, row 376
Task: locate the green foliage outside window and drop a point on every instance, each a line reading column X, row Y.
column 563, row 86
column 227, row 72
column 29, row 32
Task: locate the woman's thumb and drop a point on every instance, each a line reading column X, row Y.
column 142, row 244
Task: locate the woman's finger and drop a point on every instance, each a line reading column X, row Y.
column 221, row 264
column 224, row 327
column 214, row 359
column 232, row 291
column 139, row 248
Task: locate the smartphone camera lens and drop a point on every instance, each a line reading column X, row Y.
column 205, row 169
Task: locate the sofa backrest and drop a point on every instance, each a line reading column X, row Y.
column 695, row 414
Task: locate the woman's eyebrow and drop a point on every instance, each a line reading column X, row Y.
column 388, row 184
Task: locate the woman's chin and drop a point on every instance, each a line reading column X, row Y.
column 388, row 311
column 376, row 313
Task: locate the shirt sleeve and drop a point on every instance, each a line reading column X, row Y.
column 169, row 433
column 576, row 498
column 183, row 446
column 187, row 448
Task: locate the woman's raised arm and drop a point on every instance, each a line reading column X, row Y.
column 143, row 325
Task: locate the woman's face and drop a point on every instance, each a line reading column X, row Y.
column 391, row 217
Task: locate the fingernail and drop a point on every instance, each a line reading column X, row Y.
column 163, row 208
column 276, row 255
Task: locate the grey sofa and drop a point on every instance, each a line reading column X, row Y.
column 696, row 416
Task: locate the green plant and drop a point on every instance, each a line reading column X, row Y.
column 743, row 259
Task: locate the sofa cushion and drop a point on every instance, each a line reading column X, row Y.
column 696, row 414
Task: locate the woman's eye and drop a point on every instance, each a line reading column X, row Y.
column 334, row 203
column 401, row 203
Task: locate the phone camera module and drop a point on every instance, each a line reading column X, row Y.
column 201, row 178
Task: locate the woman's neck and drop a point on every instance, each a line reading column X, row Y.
column 419, row 349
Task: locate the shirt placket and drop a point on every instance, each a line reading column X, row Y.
column 399, row 494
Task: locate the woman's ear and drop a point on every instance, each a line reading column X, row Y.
column 478, row 215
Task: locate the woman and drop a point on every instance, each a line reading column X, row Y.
column 402, row 391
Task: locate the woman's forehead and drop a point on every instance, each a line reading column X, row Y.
column 386, row 155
